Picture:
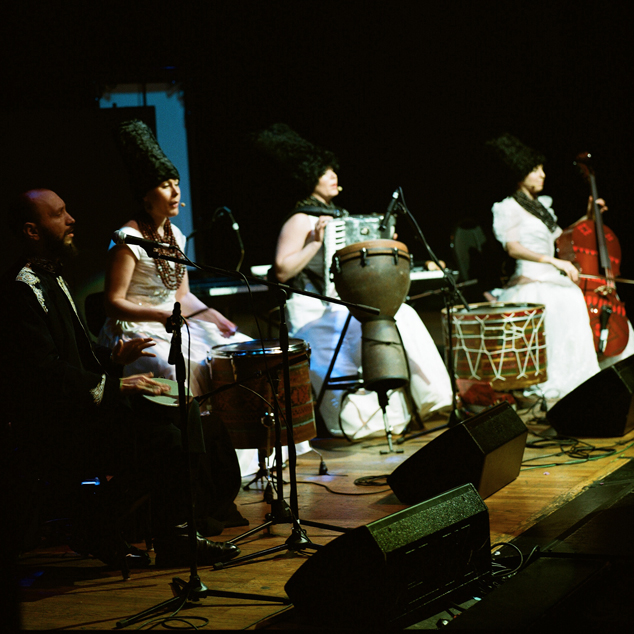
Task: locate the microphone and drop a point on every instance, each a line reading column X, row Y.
column 121, row 237
column 234, row 225
column 390, row 210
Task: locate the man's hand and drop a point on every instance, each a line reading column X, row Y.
column 143, row 384
column 126, row 352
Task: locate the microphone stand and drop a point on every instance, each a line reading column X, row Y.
column 451, row 292
column 194, row 589
column 281, row 513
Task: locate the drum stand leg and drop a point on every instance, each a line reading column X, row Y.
column 263, row 472
column 383, row 400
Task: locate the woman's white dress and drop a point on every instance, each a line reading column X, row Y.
column 320, row 324
column 147, row 289
column 570, row 353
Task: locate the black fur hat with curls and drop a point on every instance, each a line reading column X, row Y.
column 518, row 159
column 300, row 159
column 146, row 162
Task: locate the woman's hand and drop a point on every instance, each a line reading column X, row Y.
column 297, row 244
column 126, row 352
column 601, row 204
column 430, row 265
column 143, row 384
column 226, row 327
column 566, row 267
column 317, row 234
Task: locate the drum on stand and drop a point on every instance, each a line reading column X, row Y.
column 376, row 273
column 503, row 344
column 246, row 408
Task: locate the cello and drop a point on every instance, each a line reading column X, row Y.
column 596, row 252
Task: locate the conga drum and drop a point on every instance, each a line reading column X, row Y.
column 501, row 343
column 246, row 404
column 376, row 273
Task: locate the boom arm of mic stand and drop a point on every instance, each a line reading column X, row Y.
column 288, row 289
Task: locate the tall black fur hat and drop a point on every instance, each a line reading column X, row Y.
column 518, row 159
column 147, row 164
column 303, row 161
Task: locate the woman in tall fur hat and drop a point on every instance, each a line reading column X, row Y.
column 526, row 225
column 140, row 291
column 300, row 262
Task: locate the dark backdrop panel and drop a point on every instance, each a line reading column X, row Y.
column 73, row 153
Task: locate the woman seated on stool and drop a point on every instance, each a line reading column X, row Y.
column 299, row 262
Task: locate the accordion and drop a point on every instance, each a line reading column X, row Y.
column 340, row 232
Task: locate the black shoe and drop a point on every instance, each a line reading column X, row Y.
column 173, row 552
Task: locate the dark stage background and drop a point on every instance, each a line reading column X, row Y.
column 405, row 93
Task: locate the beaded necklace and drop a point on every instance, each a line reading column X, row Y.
column 171, row 276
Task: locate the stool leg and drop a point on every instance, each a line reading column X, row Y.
column 324, row 385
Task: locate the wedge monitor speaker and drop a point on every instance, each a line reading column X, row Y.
column 601, row 407
column 392, row 572
column 485, row 450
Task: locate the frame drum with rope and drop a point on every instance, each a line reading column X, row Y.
column 246, row 406
column 500, row 343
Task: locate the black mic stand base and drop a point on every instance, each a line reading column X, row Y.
column 456, row 417
column 298, row 540
column 194, row 591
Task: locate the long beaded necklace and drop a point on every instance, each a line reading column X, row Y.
column 171, row 276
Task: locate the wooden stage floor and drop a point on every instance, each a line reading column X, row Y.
column 60, row 590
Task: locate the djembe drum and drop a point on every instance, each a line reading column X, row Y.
column 376, row 273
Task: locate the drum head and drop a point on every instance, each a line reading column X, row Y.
column 169, row 398
column 258, row 347
column 494, row 308
column 373, row 245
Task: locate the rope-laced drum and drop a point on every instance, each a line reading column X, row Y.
column 501, row 343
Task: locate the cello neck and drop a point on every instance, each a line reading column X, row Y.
column 604, row 257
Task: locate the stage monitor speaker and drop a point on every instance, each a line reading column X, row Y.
column 601, row 407
column 393, row 572
column 485, row 450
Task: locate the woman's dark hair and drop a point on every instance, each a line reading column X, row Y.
column 304, row 162
column 516, row 159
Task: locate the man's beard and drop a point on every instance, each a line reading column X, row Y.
column 60, row 249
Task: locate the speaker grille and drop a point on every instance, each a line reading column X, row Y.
column 391, row 571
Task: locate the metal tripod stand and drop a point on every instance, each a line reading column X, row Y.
column 281, row 512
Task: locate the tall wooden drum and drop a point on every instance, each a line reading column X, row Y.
column 246, row 407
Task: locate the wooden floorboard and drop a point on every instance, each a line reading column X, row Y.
column 60, row 590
